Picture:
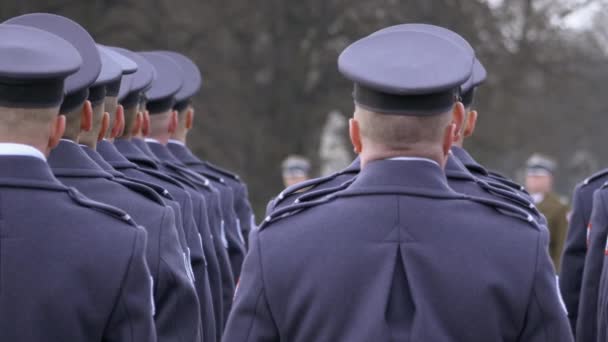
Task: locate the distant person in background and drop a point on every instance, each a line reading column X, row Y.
column 296, row 169
column 540, row 171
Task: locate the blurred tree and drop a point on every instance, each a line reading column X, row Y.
column 270, row 73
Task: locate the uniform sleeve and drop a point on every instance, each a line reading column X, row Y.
column 586, row 324
column 244, row 212
column 602, row 310
column 545, row 319
column 175, row 294
column 132, row 318
column 251, row 319
column 573, row 257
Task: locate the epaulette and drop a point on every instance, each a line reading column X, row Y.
column 308, row 185
column 317, row 194
column 164, row 193
column 190, row 175
column 509, row 195
column 302, row 186
column 495, row 174
column 596, row 176
column 161, row 176
column 504, row 208
column 509, row 183
column 212, row 177
column 141, row 189
column 82, row 200
column 222, row 171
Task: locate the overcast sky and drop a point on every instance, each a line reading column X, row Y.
column 578, row 20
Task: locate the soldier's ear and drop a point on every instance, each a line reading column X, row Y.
column 137, row 123
column 172, row 122
column 471, row 123
column 86, row 117
column 145, row 125
column 105, row 122
column 119, row 122
column 458, row 120
column 57, row 130
column 189, row 118
column 355, row 135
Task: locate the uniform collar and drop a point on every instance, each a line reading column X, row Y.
column 143, row 146
column 69, row 159
column 415, row 173
column 162, row 152
column 183, row 153
column 25, row 168
column 13, row 149
column 468, row 161
column 176, row 142
column 98, row 159
column 134, row 154
column 414, row 159
column 112, row 156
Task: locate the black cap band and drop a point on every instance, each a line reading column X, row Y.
column 408, row 105
column 74, row 100
column 31, row 93
column 182, row 105
column 97, row 95
column 113, row 88
column 160, row 106
column 468, row 98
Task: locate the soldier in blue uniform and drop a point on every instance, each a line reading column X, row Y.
column 575, row 247
column 598, row 246
column 67, row 262
column 459, row 178
column 244, row 220
column 592, row 322
column 191, row 77
column 160, row 93
column 162, row 122
column 176, row 311
column 397, row 257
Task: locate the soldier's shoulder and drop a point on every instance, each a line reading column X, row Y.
column 324, row 196
column 223, row 171
column 104, row 211
column 597, row 179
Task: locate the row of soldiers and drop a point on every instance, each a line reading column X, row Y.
column 415, row 240
column 111, row 229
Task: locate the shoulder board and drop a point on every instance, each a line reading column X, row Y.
column 190, row 175
column 102, row 207
column 222, row 171
column 162, row 176
column 495, row 174
column 595, row 176
column 513, row 197
column 211, row 177
column 314, row 195
column 503, row 208
column 509, row 183
column 141, row 189
column 164, row 193
column 300, row 187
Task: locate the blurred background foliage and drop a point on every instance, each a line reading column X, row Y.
column 271, row 80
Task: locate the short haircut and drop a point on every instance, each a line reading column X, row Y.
column 401, row 132
column 130, row 116
column 110, row 104
column 24, row 122
column 72, row 123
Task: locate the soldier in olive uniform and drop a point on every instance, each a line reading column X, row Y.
column 540, row 171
